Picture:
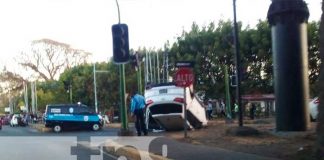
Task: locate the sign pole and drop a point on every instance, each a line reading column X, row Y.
column 185, row 112
column 184, row 77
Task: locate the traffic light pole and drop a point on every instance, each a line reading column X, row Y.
column 288, row 20
column 123, row 110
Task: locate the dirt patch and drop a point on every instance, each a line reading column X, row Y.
column 282, row 145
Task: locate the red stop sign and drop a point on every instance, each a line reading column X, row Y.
column 184, row 77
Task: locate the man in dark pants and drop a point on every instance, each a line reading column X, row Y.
column 252, row 111
column 137, row 110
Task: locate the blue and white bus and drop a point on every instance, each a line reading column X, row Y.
column 71, row 116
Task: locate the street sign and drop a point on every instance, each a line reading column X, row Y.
column 184, row 77
column 189, row 64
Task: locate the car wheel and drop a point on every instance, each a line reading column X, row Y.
column 312, row 119
column 57, row 128
column 95, row 127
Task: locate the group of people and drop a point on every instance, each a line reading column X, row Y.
column 220, row 110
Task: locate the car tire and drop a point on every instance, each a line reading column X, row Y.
column 57, row 128
column 312, row 119
column 95, row 127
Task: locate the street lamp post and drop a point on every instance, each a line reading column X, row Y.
column 95, row 85
column 238, row 66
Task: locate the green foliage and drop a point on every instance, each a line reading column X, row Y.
column 211, row 47
column 314, row 60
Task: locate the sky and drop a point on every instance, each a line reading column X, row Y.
column 86, row 24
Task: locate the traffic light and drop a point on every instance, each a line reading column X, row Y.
column 66, row 85
column 133, row 61
column 233, row 80
column 120, row 43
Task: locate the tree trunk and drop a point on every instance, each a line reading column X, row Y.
column 320, row 123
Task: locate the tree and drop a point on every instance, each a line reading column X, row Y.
column 12, row 81
column 319, row 150
column 313, row 57
column 211, row 48
column 48, row 58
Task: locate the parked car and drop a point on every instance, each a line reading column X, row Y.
column 1, row 123
column 313, row 108
column 14, row 120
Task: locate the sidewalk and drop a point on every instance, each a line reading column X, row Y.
column 183, row 150
column 186, row 151
column 214, row 142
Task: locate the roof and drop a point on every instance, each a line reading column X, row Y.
column 258, row 97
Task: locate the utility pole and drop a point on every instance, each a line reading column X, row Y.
column 70, row 90
column 238, row 66
column 167, row 66
column 26, row 96
column 95, row 87
column 146, row 69
column 154, row 68
column 36, row 107
column 158, row 68
column 288, row 21
column 33, row 97
column 151, row 72
column 138, row 69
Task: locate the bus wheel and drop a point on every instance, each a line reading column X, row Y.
column 95, row 127
column 57, row 128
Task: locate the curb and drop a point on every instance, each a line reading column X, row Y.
column 132, row 153
column 40, row 127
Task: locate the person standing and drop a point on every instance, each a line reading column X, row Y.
column 137, row 109
column 236, row 110
column 252, row 111
column 222, row 109
column 209, row 110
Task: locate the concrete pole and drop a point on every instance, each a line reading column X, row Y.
column 33, row 97
column 36, row 106
column 95, row 87
column 158, row 67
column 151, row 72
column 26, row 96
column 288, row 20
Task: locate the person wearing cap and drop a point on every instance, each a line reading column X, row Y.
column 137, row 108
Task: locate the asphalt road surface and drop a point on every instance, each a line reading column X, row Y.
column 26, row 143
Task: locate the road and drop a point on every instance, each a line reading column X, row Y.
column 24, row 143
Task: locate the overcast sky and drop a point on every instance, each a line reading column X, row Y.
column 86, row 24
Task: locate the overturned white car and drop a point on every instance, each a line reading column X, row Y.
column 165, row 109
